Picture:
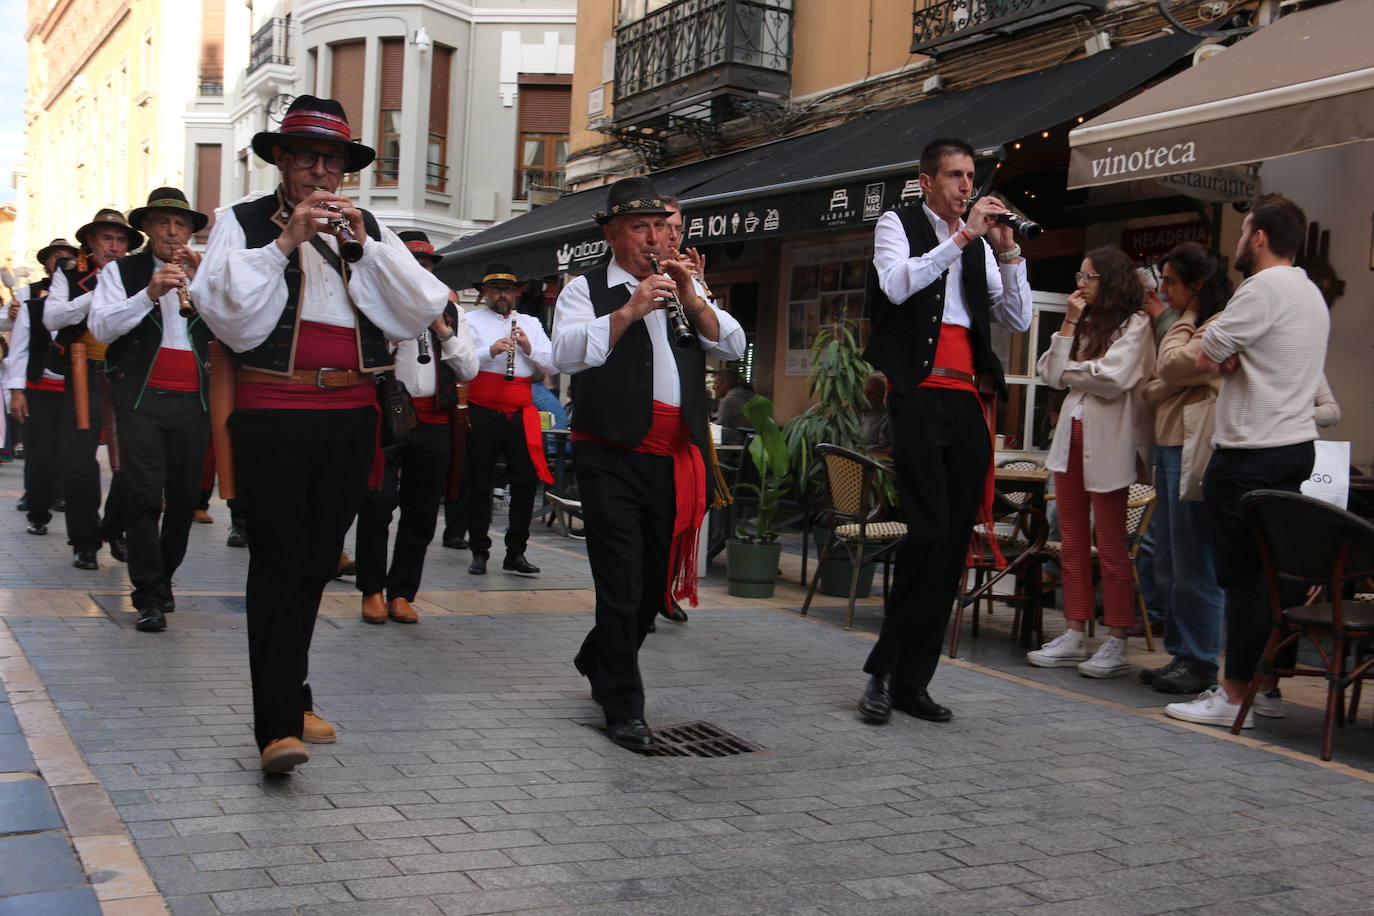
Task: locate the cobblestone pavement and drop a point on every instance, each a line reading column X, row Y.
column 470, row 777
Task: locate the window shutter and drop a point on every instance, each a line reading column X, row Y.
column 207, row 181
column 545, row 109
column 346, row 81
column 439, row 90
column 393, row 72
column 212, row 41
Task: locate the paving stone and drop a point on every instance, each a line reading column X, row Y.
column 38, row 862
column 74, row 901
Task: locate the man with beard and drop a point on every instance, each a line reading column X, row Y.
column 36, row 390
column 1269, row 345
column 305, row 289
column 505, row 423
column 158, row 371
column 104, row 240
column 642, row 439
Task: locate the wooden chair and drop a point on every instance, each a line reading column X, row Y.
column 853, row 512
column 1311, row 542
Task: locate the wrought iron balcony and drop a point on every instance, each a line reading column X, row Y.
column 271, row 44
column 694, row 51
column 941, row 26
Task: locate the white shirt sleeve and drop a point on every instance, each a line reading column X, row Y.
column 580, row 339
column 391, row 288
column 60, row 311
column 1009, row 291
column 458, row 351
column 113, row 314
column 17, row 362
column 541, row 348
column 239, row 292
column 900, row 276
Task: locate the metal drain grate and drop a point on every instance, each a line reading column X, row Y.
column 698, row 739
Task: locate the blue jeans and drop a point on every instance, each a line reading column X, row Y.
column 1196, row 601
column 1154, row 561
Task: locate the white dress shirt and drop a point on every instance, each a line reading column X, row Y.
column 60, row 310
column 114, row 313
column 581, row 340
column 17, row 364
column 241, row 292
column 457, row 353
column 901, row 276
column 489, row 327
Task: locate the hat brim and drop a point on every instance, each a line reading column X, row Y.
column 135, row 237
column 603, row 217
column 359, row 156
column 44, row 252
column 198, row 219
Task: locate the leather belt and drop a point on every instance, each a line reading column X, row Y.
column 319, row 378
column 955, row 374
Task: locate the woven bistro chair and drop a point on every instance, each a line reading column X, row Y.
column 1310, row 542
column 853, row 512
column 1140, row 508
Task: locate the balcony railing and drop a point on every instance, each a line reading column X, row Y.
column 211, row 85
column 941, row 26
column 271, row 44
column 691, row 46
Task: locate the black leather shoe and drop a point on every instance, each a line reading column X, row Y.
column 119, row 549
column 59, row 505
column 151, row 619
column 1187, row 677
column 23, row 504
column 519, row 565
column 236, row 537
column 478, row 566
column 85, row 559
column 1150, row 675
column 917, row 702
column 37, row 529
column 653, row 626
column 456, row 542
column 876, row 703
column 631, row 734
column 674, row 613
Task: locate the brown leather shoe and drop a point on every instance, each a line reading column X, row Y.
column 374, row 608
column 318, row 731
column 399, row 610
column 283, row 755
column 203, row 517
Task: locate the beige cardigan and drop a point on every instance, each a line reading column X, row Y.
column 1116, row 420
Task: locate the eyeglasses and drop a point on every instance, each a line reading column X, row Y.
column 1081, row 276
column 306, row 159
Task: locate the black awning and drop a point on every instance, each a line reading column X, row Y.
column 841, row 177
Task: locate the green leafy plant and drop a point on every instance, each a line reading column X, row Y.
column 838, row 374
column 772, row 462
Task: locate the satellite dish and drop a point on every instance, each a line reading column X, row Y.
column 276, row 109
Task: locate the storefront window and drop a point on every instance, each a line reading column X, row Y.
column 826, row 286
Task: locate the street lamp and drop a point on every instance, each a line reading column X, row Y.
column 422, row 41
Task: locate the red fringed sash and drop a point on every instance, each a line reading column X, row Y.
column 491, row 390
column 669, row 436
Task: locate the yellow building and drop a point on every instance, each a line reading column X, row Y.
column 109, row 84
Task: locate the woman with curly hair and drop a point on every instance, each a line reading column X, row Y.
column 1103, row 353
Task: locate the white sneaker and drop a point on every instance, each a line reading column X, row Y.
column 1108, row 661
column 1267, row 706
column 1210, row 708
column 1065, row 650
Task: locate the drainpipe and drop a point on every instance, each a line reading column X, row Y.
column 467, row 119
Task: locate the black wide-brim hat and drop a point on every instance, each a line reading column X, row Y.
column 419, row 245
column 56, row 245
column 311, row 118
column 106, row 217
column 497, row 273
column 170, row 199
column 631, row 195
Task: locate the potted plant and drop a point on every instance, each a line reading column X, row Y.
column 751, row 557
column 838, row 376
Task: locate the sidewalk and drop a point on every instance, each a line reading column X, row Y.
column 469, row 776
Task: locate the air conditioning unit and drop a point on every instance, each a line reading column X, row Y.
column 933, row 85
column 1099, row 41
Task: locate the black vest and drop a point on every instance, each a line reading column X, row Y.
column 277, row 353
column 40, row 341
column 78, row 285
column 902, row 338
column 614, row 401
column 129, row 359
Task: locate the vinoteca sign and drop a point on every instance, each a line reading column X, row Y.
column 1151, row 159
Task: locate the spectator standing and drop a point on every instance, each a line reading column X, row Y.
column 1103, row 353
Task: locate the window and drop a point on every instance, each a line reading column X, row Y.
column 388, row 168
column 631, row 10
column 542, row 151
column 346, row 86
column 207, row 184
column 245, row 174
column 436, row 154
column 212, row 47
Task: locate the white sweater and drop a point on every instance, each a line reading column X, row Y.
column 1277, row 323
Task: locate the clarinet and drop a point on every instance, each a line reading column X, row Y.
column 186, row 309
column 510, row 354
column 350, row 249
column 422, row 345
column 679, row 330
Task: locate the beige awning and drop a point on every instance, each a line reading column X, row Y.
column 1304, row 83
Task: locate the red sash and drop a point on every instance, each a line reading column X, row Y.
column 427, row 410
column 46, row 384
column 318, row 346
column 174, row 370
column 492, row 391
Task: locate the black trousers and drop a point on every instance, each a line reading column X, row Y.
column 160, row 447
column 941, row 450
column 495, row 435
column 456, row 510
column 116, row 509
column 80, row 469
column 413, row 479
column 628, row 504
column 1231, row 473
column 42, row 452
column 301, row 476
